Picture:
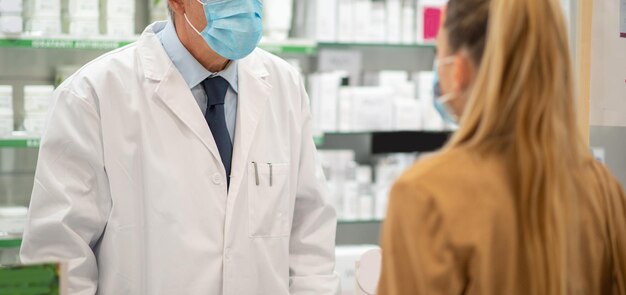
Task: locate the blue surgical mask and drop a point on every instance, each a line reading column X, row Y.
column 440, row 101
column 234, row 27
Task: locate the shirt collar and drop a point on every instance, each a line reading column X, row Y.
column 192, row 71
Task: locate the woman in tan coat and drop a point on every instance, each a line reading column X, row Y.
column 514, row 204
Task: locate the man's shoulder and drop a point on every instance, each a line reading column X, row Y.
column 274, row 64
column 117, row 63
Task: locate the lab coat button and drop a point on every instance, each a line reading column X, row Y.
column 217, row 179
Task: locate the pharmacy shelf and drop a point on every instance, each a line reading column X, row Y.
column 386, row 142
column 10, row 243
column 104, row 43
column 376, row 45
column 63, row 42
column 19, row 142
column 305, row 47
column 349, row 222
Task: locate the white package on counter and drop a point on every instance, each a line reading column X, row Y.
column 346, row 259
column 15, row 7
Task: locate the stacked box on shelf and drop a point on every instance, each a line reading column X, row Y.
column 117, row 17
column 429, row 15
column 158, row 10
column 277, row 18
column 42, row 17
column 6, row 110
column 81, row 17
column 11, row 21
column 37, row 99
column 372, row 21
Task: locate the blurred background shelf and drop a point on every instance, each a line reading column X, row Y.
column 376, row 45
column 294, row 46
column 366, row 144
column 63, row 42
column 19, row 142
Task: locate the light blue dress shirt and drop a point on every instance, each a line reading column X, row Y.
column 194, row 74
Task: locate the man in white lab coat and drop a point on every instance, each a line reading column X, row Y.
column 184, row 163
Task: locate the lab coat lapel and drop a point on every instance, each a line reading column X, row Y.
column 175, row 94
column 173, row 91
column 254, row 92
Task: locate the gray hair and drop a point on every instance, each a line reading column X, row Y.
column 169, row 9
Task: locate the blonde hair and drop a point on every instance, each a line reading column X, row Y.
column 522, row 105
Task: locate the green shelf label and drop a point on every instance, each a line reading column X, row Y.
column 30, row 280
column 63, row 44
column 19, row 143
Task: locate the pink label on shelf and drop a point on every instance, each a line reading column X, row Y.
column 623, row 35
column 432, row 21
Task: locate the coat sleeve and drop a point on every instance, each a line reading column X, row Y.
column 417, row 257
column 312, row 244
column 70, row 202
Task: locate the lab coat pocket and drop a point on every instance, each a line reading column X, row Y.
column 268, row 200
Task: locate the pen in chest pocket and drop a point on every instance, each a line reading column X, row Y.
column 256, row 173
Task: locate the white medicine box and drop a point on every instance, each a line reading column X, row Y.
column 43, row 25
column 6, row 125
column 37, row 98
column 42, row 8
column 13, row 7
column 6, row 100
column 81, row 8
column 6, row 110
column 117, row 9
column 11, row 24
column 119, row 27
column 83, row 26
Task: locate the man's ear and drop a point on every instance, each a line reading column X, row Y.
column 177, row 6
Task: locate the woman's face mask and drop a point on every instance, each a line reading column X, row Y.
column 442, row 99
column 234, row 27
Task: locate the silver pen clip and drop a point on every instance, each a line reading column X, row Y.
column 256, row 173
column 271, row 174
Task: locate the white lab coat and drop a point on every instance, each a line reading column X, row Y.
column 131, row 191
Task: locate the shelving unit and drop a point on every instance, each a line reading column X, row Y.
column 304, row 47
